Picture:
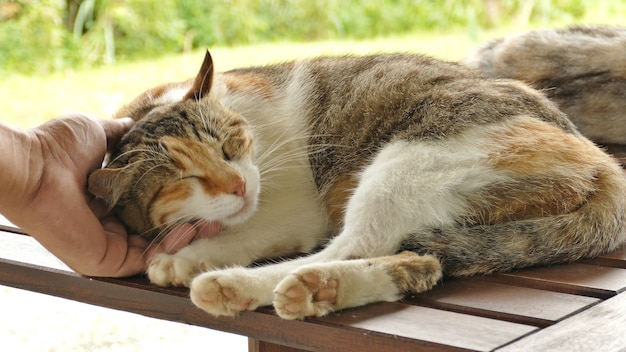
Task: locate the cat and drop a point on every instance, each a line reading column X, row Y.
column 581, row 68
column 402, row 168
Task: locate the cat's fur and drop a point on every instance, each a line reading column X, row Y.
column 582, row 69
column 416, row 167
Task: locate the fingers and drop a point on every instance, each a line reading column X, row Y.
column 178, row 238
column 112, row 225
column 115, row 129
column 98, row 207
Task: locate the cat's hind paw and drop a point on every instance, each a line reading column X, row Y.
column 307, row 292
column 170, row 270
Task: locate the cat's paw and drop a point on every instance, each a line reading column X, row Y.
column 226, row 292
column 171, row 270
column 307, row 292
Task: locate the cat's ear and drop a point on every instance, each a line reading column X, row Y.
column 105, row 184
column 203, row 81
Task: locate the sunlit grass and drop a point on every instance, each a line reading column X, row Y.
column 27, row 101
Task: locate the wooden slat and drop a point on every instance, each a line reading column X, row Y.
column 382, row 326
column 580, row 279
column 433, row 325
column 23, row 248
column 11, row 229
column 616, row 259
column 262, row 346
column 174, row 305
column 601, row 328
column 481, row 313
column 505, row 302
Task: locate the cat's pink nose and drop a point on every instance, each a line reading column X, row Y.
column 239, row 188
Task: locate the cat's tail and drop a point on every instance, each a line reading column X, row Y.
column 596, row 227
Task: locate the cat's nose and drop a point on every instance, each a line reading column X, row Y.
column 239, row 188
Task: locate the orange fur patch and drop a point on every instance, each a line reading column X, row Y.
column 526, row 142
column 557, row 172
column 246, row 82
column 169, row 199
column 336, row 199
column 216, row 176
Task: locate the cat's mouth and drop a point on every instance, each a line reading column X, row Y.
column 241, row 214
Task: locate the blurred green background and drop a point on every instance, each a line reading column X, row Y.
column 93, row 55
column 49, row 35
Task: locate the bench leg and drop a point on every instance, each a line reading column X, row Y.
column 262, row 346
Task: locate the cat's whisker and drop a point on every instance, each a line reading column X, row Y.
column 274, row 164
column 145, row 173
column 133, row 151
column 279, row 143
column 167, row 229
column 299, row 151
column 204, row 120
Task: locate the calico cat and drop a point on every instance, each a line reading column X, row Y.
column 404, row 168
column 582, row 69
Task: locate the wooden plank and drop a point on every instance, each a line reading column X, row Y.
column 601, row 328
column 262, row 346
column 6, row 227
column 174, row 305
column 18, row 247
column 383, row 326
column 433, row 325
column 575, row 278
column 505, row 302
column 616, row 259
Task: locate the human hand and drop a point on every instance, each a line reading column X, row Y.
column 43, row 191
column 48, row 199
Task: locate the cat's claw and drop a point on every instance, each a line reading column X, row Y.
column 170, row 270
column 220, row 293
column 307, row 292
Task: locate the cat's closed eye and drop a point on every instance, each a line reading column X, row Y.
column 226, row 154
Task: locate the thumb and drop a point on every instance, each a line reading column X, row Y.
column 115, row 129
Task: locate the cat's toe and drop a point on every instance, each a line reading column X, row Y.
column 169, row 270
column 306, row 293
column 218, row 293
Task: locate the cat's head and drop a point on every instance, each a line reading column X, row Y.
column 188, row 158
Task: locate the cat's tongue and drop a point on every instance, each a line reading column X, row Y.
column 183, row 234
column 208, row 229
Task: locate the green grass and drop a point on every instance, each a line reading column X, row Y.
column 28, row 101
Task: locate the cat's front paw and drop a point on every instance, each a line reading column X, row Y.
column 226, row 292
column 307, row 292
column 171, row 270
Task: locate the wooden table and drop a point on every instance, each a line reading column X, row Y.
column 573, row 307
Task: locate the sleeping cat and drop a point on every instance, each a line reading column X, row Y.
column 582, row 69
column 404, row 168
